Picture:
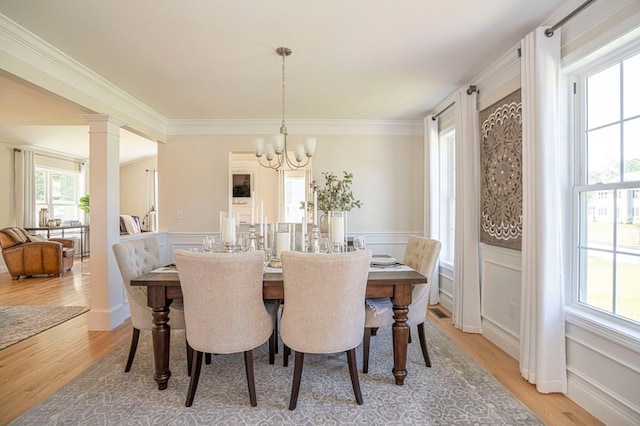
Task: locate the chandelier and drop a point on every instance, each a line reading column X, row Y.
column 276, row 152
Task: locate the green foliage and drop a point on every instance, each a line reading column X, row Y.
column 84, row 203
column 336, row 193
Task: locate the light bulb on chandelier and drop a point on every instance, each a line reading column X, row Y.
column 276, row 150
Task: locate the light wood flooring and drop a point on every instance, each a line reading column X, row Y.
column 38, row 366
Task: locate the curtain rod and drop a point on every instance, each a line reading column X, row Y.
column 470, row 90
column 549, row 31
column 55, row 157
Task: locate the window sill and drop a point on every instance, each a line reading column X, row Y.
column 618, row 332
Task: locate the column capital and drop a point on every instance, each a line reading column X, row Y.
column 104, row 118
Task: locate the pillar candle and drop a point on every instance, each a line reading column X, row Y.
column 262, row 221
column 337, row 231
column 253, row 207
column 228, row 230
column 315, row 208
column 303, row 234
column 283, row 243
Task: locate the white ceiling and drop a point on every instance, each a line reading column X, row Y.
column 203, row 59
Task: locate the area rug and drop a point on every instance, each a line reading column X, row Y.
column 19, row 322
column 455, row 391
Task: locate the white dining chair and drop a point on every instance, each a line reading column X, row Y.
column 422, row 255
column 135, row 258
column 324, row 308
column 223, row 308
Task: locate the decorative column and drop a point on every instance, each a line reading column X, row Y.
column 108, row 302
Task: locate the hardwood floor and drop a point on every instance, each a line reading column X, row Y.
column 38, row 366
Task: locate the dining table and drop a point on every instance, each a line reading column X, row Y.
column 163, row 287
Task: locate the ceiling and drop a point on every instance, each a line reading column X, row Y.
column 204, row 59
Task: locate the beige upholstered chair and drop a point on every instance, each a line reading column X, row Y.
column 223, row 308
column 421, row 254
column 135, row 258
column 324, row 308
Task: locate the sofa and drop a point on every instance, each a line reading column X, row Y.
column 27, row 255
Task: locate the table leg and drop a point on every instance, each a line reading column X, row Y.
column 161, row 335
column 400, row 342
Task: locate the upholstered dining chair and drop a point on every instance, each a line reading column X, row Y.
column 223, row 308
column 420, row 254
column 324, row 308
column 135, row 258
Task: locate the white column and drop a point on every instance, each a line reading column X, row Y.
column 108, row 302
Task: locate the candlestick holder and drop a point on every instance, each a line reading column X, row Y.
column 252, row 246
column 315, row 239
column 228, row 248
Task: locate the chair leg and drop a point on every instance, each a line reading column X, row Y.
column 353, row 372
column 423, row 344
column 366, row 342
column 207, row 358
column 285, row 356
column 374, row 331
column 195, row 376
column 409, row 341
column 272, row 347
column 189, row 360
column 132, row 350
column 297, row 375
column 248, row 368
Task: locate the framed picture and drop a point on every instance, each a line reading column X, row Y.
column 242, row 185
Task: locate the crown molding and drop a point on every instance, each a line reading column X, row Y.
column 295, row 126
column 33, row 59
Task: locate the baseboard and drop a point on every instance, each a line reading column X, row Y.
column 501, row 338
column 107, row 319
column 600, row 403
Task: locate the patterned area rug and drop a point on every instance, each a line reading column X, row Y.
column 454, row 391
column 19, row 322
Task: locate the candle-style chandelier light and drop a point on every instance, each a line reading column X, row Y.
column 276, row 152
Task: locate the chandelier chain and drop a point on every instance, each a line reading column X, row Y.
column 283, row 90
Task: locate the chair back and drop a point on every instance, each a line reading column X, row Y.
column 13, row 236
column 223, row 307
column 135, row 258
column 422, row 255
column 324, row 297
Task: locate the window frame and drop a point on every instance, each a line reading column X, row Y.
column 576, row 76
column 446, row 225
column 48, row 199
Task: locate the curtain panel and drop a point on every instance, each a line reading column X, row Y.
column 25, row 188
column 466, row 275
column 542, row 322
column 432, row 199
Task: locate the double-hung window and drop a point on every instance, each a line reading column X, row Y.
column 57, row 192
column 607, row 184
column 446, row 154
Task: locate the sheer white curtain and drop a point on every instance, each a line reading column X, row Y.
column 25, row 188
column 542, row 323
column 466, row 276
column 432, row 196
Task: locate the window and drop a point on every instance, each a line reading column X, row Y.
column 607, row 183
column 446, row 153
column 57, row 191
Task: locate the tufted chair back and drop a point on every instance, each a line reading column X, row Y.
column 422, row 255
column 135, row 258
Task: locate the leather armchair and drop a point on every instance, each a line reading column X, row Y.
column 27, row 255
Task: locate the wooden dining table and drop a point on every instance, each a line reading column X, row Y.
column 164, row 287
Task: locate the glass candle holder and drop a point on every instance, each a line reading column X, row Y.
column 282, row 238
column 228, row 229
column 337, row 221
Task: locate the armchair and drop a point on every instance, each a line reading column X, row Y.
column 27, row 255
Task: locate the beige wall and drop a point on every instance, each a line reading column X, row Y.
column 194, row 179
column 7, row 208
column 134, row 187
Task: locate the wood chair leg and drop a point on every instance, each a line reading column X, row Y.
column 374, row 331
column 195, row 376
column 248, row 368
column 297, row 375
column 132, row 350
column 409, row 341
column 366, row 342
column 285, row 356
column 189, row 358
column 272, row 347
column 207, row 358
column 423, row 344
column 353, row 372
